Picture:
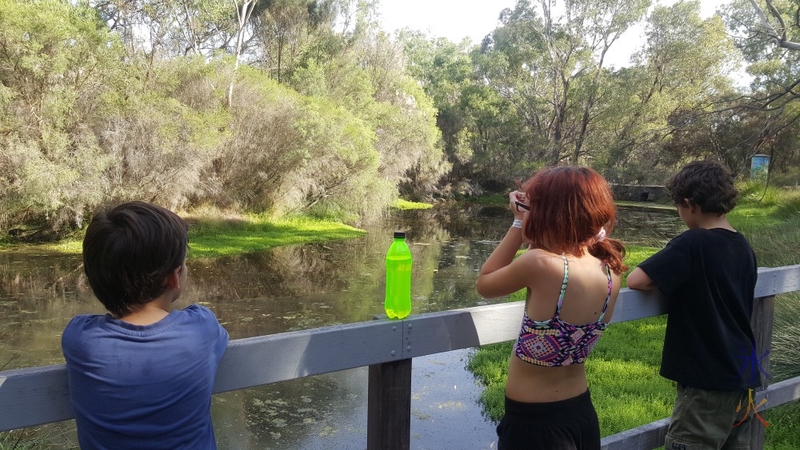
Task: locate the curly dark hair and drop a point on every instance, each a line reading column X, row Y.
column 707, row 184
column 128, row 252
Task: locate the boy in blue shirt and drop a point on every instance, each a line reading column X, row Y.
column 708, row 274
column 141, row 376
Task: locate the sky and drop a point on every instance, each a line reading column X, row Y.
column 453, row 19
column 456, row 19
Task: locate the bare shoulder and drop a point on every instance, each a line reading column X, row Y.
column 542, row 262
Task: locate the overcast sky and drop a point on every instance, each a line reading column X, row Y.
column 456, row 19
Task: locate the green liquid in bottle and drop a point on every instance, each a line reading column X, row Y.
column 397, row 303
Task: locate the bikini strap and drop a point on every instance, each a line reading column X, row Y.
column 563, row 287
column 605, row 305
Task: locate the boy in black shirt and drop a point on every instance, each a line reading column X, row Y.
column 708, row 274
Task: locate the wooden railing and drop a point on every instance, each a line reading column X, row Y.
column 39, row 395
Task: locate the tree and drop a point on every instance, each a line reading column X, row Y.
column 162, row 29
column 551, row 67
column 243, row 13
column 767, row 32
column 55, row 62
column 445, row 70
column 681, row 72
column 284, row 30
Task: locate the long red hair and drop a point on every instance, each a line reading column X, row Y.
column 569, row 207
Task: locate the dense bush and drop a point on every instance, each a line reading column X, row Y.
column 89, row 117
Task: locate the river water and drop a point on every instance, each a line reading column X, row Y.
column 299, row 287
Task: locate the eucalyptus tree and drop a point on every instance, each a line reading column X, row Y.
column 170, row 28
column 444, row 69
column 550, row 65
column 768, row 34
column 283, row 29
column 243, row 13
column 679, row 74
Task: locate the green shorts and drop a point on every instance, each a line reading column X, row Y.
column 704, row 420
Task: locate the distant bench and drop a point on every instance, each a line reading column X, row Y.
column 39, row 395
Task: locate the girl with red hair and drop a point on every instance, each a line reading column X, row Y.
column 572, row 272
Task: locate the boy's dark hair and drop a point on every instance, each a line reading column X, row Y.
column 128, row 252
column 707, row 184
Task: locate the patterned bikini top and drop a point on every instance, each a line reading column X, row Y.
column 553, row 343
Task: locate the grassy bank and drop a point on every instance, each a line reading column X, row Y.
column 623, row 370
column 212, row 235
column 214, row 238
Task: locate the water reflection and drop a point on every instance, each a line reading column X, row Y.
column 647, row 226
column 301, row 287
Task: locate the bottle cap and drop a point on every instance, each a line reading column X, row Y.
column 400, row 234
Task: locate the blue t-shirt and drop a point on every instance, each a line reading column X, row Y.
column 144, row 387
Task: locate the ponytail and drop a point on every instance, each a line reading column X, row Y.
column 610, row 251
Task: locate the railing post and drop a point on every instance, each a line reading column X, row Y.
column 761, row 321
column 389, row 406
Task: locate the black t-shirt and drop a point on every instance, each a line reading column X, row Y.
column 709, row 278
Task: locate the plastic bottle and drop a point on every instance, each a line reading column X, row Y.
column 397, row 303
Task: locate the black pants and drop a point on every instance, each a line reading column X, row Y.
column 569, row 424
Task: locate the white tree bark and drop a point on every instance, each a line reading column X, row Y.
column 243, row 13
column 777, row 34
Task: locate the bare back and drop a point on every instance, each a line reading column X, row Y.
column 584, row 297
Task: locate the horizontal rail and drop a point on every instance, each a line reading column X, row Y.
column 39, row 395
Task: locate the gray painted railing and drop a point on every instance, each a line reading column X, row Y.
column 39, row 395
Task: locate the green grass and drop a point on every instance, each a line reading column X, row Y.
column 405, row 204
column 626, row 388
column 210, row 239
column 623, row 370
column 215, row 236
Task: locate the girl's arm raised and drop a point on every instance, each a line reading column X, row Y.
column 499, row 276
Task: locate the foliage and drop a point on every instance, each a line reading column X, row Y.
column 766, row 33
column 93, row 112
column 405, row 205
column 53, row 66
column 308, row 107
column 493, row 200
column 669, row 96
column 550, row 68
